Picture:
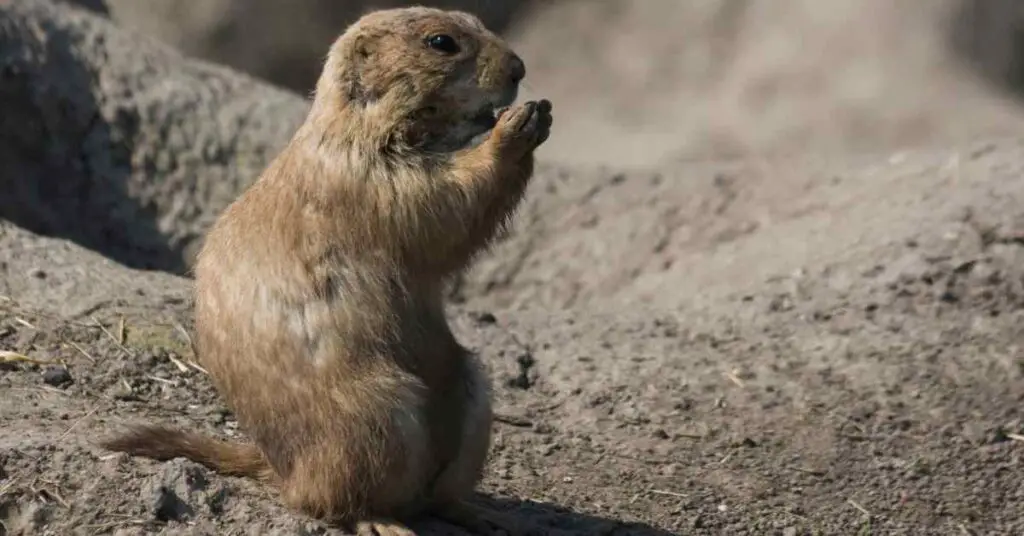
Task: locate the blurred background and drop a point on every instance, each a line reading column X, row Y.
column 645, row 82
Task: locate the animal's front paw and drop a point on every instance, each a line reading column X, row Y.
column 522, row 129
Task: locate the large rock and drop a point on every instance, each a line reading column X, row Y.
column 116, row 142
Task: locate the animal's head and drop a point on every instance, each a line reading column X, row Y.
column 441, row 75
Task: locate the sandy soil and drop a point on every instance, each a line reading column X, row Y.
column 870, row 382
column 828, row 344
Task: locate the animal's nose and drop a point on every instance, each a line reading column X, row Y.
column 517, row 69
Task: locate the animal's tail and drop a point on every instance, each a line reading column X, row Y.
column 162, row 443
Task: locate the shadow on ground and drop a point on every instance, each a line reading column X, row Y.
column 549, row 519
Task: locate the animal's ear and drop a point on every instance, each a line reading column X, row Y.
column 363, row 46
column 360, row 50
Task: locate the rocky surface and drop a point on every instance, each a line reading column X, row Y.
column 813, row 345
column 111, row 140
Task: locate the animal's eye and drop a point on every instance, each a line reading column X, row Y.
column 443, row 43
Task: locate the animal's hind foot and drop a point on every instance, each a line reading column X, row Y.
column 383, row 528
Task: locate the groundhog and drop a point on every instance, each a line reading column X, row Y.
column 318, row 292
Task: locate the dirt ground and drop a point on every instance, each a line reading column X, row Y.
column 829, row 344
column 872, row 385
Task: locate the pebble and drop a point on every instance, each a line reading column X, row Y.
column 167, row 506
column 57, row 376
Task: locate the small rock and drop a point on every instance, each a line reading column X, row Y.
column 57, row 377
column 997, row 436
column 123, row 392
column 780, row 303
column 216, row 500
column 218, row 414
column 547, row 449
column 543, row 428
column 184, row 491
column 169, row 507
column 524, row 379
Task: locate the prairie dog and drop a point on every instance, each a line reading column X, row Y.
column 319, row 310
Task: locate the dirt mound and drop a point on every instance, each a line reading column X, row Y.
column 111, row 140
column 700, row 233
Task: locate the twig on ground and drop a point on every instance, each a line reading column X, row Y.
column 668, row 493
column 76, row 423
column 859, row 507
column 164, row 381
column 98, row 528
column 735, row 379
column 50, row 491
column 7, row 486
column 814, row 472
column 191, row 361
column 182, row 367
column 120, row 346
column 7, row 356
column 188, row 338
column 82, row 351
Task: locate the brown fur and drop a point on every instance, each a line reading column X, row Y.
column 319, row 291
